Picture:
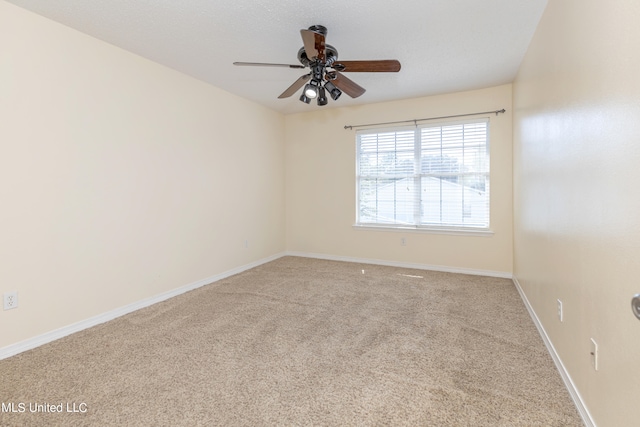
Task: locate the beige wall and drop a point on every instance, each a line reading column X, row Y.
column 116, row 174
column 320, row 162
column 121, row 179
column 577, row 203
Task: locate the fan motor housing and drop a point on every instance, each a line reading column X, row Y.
column 329, row 52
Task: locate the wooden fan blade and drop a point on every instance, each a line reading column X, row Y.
column 295, row 86
column 314, row 44
column 347, row 85
column 381, row 66
column 266, row 64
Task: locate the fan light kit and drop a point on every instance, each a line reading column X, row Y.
column 326, row 75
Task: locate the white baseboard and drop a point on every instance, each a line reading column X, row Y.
column 571, row 387
column 490, row 273
column 47, row 337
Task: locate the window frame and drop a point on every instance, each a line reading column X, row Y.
column 417, row 175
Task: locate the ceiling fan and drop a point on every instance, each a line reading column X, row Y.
column 326, row 70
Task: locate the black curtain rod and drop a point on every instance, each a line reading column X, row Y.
column 429, row 118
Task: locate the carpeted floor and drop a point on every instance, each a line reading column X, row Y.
column 304, row 342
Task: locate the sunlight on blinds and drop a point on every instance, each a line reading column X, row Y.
column 429, row 176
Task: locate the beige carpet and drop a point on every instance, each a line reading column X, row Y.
column 303, row 342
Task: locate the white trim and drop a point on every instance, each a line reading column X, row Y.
column 443, row 268
column 47, row 337
column 481, row 232
column 568, row 382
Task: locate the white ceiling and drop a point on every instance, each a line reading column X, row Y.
column 443, row 45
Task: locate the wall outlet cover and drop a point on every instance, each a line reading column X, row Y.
column 10, row 300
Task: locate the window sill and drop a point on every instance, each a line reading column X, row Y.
column 428, row 230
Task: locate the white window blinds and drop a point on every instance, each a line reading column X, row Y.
column 431, row 176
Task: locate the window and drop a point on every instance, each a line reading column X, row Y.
column 431, row 176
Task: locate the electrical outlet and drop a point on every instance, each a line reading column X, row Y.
column 10, row 300
column 246, row 243
column 594, row 354
column 560, row 312
column 403, row 241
